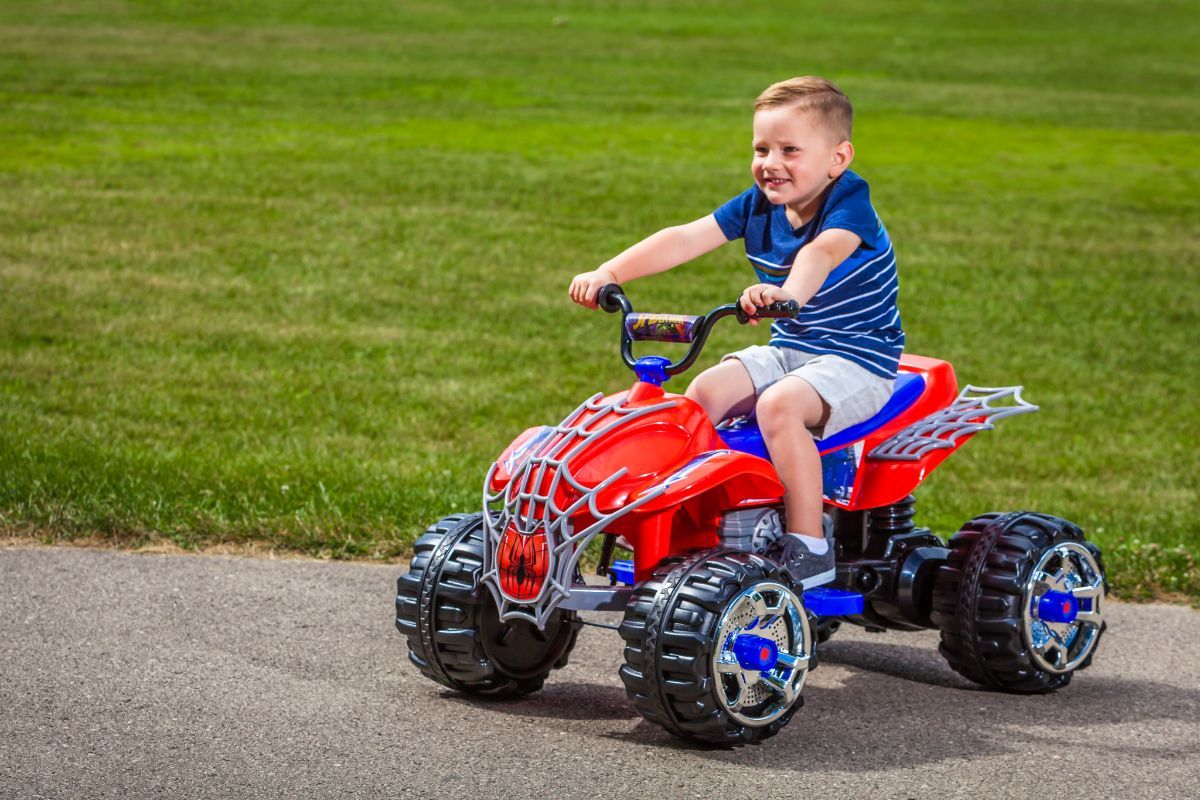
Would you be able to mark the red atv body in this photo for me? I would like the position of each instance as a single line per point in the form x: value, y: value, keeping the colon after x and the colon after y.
x: 678, y: 475
x: 493, y: 600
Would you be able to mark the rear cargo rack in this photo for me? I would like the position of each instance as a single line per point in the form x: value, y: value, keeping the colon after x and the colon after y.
x: 972, y: 411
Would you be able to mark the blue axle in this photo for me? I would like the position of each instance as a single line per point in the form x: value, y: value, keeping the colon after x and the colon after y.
x: 1056, y: 606
x: 756, y: 652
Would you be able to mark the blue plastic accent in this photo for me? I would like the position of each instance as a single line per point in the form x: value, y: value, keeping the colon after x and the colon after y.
x: 825, y: 601
x: 1056, y: 606
x: 623, y: 571
x: 756, y: 652
x: 744, y: 436
x: 908, y: 388
x: 652, y: 369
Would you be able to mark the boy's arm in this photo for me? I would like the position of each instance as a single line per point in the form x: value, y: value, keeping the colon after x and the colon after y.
x: 812, y: 266
x: 658, y: 252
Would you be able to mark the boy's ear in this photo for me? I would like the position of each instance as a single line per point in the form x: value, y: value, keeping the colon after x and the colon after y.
x: 843, y: 154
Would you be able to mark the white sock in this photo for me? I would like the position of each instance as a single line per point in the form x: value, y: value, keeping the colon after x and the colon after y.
x: 818, y: 546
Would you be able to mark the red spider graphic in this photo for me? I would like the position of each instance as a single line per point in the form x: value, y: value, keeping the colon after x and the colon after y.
x: 523, y: 561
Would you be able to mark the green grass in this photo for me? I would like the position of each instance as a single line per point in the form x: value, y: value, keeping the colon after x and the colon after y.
x: 295, y: 272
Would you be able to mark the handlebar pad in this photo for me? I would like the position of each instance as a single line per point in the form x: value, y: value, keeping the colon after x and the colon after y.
x: 662, y: 327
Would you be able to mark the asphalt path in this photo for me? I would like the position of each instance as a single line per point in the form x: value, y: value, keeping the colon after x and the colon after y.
x: 127, y: 676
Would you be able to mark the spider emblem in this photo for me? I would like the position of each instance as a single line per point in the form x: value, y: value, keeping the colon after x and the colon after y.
x: 524, y: 560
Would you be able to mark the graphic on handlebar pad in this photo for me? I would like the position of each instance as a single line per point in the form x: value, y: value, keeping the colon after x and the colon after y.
x: 661, y: 327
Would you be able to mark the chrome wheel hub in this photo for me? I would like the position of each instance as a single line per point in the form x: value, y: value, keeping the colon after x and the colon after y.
x: 764, y: 647
x: 1063, y: 607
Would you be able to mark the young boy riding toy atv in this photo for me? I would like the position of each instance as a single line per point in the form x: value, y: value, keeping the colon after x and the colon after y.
x: 812, y: 237
x: 742, y: 499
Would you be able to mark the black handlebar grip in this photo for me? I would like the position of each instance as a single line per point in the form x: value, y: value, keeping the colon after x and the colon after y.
x: 606, y: 298
x: 783, y: 308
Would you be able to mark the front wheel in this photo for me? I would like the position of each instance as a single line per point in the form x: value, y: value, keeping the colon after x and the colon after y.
x: 455, y: 635
x: 717, y: 648
x: 1020, y: 602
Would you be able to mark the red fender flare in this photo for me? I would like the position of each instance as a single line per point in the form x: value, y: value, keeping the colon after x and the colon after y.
x: 744, y: 480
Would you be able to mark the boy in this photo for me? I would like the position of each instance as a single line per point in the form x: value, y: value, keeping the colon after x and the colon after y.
x: 812, y: 236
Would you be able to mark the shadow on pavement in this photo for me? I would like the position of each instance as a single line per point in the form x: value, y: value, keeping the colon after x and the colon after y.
x: 566, y: 700
x: 906, y: 662
x: 900, y: 706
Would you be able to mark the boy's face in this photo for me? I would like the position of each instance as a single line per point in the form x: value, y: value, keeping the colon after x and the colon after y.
x: 795, y: 157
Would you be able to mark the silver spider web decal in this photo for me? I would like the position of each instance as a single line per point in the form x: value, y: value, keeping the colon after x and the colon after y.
x: 531, y: 509
x: 975, y: 409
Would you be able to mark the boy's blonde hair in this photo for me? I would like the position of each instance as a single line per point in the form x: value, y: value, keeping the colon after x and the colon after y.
x: 811, y: 93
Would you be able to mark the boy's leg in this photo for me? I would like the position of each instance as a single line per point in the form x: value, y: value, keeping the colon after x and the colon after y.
x: 785, y: 413
x: 723, y: 391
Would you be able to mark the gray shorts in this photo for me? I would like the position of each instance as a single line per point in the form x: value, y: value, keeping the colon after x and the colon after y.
x: 854, y: 394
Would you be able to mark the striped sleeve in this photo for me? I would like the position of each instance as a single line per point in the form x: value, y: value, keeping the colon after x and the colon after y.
x: 851, y: 210
x: 733, y: 216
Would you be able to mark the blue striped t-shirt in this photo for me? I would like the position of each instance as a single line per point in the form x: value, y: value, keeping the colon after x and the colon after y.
x: 854, y: 314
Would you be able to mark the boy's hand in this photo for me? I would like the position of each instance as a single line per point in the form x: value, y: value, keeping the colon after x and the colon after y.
x: 586, y: 285
x: 761, y: 294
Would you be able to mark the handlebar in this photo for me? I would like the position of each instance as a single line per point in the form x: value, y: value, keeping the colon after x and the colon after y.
x: 612, y: 299
x: 695, y: 330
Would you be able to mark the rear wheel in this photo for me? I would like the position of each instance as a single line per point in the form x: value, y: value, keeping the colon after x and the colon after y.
x: 717, y: 648
x: 1019, y: 602
x: 455, y: 635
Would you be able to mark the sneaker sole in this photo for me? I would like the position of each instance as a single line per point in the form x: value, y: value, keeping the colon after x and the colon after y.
x: 819, y: 580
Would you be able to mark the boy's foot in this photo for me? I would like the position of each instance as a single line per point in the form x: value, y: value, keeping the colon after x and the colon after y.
x: 805, y: 568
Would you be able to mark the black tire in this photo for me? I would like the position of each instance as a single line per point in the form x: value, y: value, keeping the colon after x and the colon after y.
x: 669, y: 630
x: 979, y: 597
x: 452, y: 626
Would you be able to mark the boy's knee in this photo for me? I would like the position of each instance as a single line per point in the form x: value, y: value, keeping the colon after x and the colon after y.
x: 699, y: 387
x: 788, y: 402
x: 774, y: 407
x: 723, y: 391
x: 703, y: 391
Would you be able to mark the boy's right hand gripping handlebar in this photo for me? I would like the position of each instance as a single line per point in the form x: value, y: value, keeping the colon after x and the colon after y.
x: 677, y: 327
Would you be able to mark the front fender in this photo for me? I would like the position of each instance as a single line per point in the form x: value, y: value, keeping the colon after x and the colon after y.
x: 742, y: 479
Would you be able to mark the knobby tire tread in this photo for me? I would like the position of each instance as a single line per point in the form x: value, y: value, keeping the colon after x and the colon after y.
x: 438, y: 607
x: 978, y: 595
x: 668, y: 629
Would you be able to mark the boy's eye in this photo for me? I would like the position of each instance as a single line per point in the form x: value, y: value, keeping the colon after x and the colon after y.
x: 790, y: 149
x: 762, y: 151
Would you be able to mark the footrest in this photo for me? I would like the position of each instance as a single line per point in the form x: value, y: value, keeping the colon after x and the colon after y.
x: 829, y: 601
x: 622, y: 572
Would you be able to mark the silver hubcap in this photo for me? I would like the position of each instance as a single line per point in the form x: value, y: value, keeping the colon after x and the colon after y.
x: 1062, y: 646
x: 772, y: 611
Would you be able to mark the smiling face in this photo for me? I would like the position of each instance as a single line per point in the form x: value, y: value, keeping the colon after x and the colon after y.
x: 796, y: 157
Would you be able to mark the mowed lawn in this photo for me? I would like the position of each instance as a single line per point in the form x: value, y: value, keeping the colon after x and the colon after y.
x: 294, y: 273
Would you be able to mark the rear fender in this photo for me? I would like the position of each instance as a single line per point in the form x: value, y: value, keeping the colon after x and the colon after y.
x: 879, y: 483
x: 899, y: 457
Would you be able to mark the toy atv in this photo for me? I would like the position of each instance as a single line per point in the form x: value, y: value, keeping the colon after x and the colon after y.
x: 718, y: 642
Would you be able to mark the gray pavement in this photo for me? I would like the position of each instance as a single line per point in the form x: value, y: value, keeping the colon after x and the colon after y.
x: 128, y: 676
